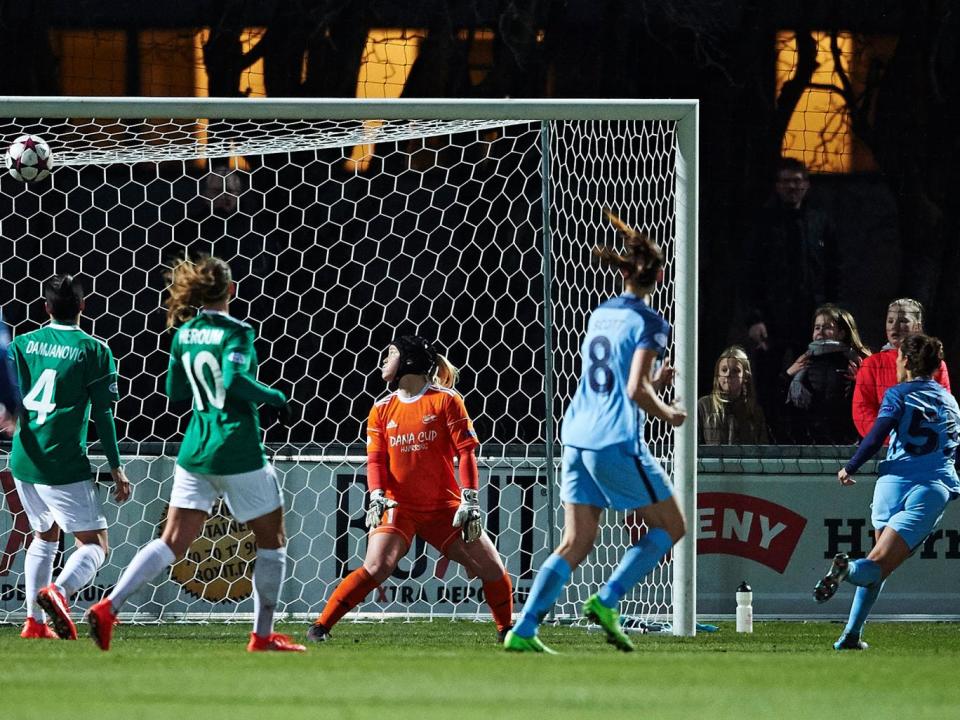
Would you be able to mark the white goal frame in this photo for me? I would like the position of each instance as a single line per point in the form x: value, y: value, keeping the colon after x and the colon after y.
x: 685, y: 113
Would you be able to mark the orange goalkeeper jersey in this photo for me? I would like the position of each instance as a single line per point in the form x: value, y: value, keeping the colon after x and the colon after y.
x: 421, y: 436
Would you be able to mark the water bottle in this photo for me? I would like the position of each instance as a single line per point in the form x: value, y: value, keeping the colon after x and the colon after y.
x: 744, y: 608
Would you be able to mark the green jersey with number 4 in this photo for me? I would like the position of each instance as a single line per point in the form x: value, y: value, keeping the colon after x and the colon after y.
x: 64, y: 374
x: 213, y: 361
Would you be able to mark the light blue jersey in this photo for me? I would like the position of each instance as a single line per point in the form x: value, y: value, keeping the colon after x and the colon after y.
x: 601, y: 413
x: 924, y: 442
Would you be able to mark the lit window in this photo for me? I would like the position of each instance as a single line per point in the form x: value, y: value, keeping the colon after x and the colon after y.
x: 92, y: 62
x: 251, y: 79
x: 819, y: 130
x: 387, y: 58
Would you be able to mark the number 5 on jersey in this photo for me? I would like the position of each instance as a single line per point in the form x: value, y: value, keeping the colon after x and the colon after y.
x: 40, y: 398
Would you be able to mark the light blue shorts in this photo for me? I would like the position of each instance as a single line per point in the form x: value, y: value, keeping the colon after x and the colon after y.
x: 910, y: 508
x: 612, y: 478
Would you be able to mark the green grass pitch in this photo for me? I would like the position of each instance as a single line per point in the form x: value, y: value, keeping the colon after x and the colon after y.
x: 455, y: 671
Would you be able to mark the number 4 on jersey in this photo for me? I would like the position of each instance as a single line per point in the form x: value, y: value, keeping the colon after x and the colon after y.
x: 40, y: 397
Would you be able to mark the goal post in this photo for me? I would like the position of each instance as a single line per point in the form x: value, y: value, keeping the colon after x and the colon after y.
x: 344, y: 220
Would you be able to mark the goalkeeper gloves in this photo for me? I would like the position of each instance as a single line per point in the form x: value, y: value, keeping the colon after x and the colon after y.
x: 376, y: 507
x: 468, y: 516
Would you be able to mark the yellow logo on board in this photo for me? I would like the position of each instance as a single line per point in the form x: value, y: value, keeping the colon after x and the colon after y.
x: 218, y: 566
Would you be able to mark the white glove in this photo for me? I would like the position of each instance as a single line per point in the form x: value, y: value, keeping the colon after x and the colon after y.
x: 377, y: 505
x: 468, y: 517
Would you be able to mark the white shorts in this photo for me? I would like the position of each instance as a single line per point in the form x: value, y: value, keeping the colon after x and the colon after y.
x: 74, y: 507
x: 249, y: 495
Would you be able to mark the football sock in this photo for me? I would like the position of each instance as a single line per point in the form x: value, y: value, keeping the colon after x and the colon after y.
x: 37, y: 571
x: 863, y: 572
x: 80, y: 569
x: 268, y: 576
x: 637, y: 561
x: 499, y: 596
x: 145, y: 566
x: 349, y: 593
x: 863, y: 601
x: 551, y: 578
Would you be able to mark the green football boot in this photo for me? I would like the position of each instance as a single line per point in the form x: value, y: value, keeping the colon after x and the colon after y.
x: 609, y: 620
x: 514, y: 643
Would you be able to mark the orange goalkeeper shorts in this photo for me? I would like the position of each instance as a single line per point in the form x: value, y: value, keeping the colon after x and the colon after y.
x: 434, y: 526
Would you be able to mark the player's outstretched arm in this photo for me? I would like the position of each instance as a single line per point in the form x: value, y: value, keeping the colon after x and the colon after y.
x: 642, y: 391
x: 237, y: 378
x: 102, y: 416
x: 868, y: 447
x: 177, y: 386
x: 103, y: 394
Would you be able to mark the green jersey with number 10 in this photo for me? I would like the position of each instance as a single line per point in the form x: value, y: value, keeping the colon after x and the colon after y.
x: 62, y: 372
x: 213, y: 361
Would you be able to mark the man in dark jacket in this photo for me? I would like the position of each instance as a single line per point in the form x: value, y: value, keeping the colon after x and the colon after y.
x: 791, y: 269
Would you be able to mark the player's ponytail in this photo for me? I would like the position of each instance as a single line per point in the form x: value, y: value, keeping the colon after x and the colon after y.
x: 194, y: 284
x: 642, y: 260
x: 64, y: 297
x: 445, y: 374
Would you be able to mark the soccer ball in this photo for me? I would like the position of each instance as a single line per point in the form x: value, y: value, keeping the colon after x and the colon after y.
x: 29, y: 159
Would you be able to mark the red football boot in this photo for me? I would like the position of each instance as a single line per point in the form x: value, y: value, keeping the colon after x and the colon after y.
x: 36, y: 630
x: 273, y: 642
x: 102, y: 618
x: 58, y: 610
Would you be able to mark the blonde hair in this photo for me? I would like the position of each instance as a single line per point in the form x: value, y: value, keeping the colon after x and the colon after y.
x: 908, y: 306
x: 445, y: 374
x: 846, y: 325
x: 194, y: 284
x: 643, y: 259
x: 718, y: 400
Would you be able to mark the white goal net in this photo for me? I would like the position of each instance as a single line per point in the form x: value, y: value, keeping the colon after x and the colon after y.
x: 346, y: 224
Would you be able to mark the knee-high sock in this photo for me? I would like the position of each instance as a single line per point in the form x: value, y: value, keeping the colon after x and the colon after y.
x: 268, y: 576
x: 637, y: 561
x: 863, y: 572
x: 80, y: 569
x: 37, y: 571
x: 349, y: 593
x: 863, y: 601
x: 551, y: 578
x: 145, y: 566
x: 499, y: 595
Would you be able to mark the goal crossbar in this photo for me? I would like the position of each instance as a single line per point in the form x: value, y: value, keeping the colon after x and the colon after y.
x: 348, y: 108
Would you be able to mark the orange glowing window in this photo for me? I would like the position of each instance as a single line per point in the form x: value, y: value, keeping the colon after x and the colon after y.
x: 387, y: 58
x: 92, y: 62
x: 819, y: 130
x: 251, y: 79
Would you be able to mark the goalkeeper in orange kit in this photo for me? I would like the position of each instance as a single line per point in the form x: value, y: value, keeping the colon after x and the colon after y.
x: 413, y: 434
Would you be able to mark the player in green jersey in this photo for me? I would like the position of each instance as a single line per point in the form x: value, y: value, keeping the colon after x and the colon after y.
x: 67, y: 378
x: 212, y: 360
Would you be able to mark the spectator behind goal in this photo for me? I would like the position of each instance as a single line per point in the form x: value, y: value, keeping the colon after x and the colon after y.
x: 730, y: 415
x: 820, y: 381
x: 790, y: 269
x: 879, y: 371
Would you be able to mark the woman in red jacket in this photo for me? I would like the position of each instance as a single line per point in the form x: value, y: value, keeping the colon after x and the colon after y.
x: 879, y: 371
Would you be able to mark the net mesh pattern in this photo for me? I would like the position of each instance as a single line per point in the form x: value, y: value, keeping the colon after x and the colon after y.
x: 440, y: 233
